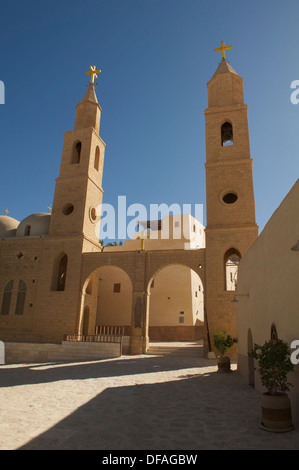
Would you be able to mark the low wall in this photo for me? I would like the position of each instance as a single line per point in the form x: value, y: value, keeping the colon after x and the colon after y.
x: 17, y: 353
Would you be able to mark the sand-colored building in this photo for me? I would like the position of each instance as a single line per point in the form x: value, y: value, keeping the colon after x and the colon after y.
x: 268, y: 294
x: 54, y: 273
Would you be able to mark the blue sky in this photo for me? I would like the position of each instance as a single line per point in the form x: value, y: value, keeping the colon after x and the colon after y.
x: 156, y: 58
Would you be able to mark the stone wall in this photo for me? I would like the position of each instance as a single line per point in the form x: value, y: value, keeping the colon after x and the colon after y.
x: 17, y: 353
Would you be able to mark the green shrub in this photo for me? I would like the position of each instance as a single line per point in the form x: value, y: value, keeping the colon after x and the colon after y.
x: 223, y: 342
x: 274, y: 364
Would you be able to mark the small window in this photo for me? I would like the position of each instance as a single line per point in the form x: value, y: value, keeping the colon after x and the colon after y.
x: 93, y: 214
x: 230, y: 198
x: 116, y: 288
x: 27, y: 230
x: 68, y: 209
x: 21, y: 298
x: 76, y: 155
x: 97, y: 159
x: 181, y: 319
x: 61, y: 278
x: 177, y: 224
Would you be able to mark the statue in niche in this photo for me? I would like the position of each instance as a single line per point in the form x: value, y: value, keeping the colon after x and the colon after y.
x: 138, y: 313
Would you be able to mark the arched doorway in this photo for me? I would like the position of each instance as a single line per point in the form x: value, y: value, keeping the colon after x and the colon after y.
x: 176, y: 305
x: 251, y: 379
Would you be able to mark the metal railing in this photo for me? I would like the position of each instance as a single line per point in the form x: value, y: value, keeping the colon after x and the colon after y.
x: 97, y: 338
x: 110, y: 330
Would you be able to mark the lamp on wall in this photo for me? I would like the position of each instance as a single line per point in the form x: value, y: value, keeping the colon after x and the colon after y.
x: 239, y: 295
x: 295, y: 247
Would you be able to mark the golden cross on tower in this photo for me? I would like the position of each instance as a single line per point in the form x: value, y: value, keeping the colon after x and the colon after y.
x: 6, y: 211
x: 93, y: 72
x: 223, y: 48
x: 49, y: 208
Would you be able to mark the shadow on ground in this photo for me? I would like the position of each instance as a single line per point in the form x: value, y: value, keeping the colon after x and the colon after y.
x: 52, y: 372
x: 200, y: 411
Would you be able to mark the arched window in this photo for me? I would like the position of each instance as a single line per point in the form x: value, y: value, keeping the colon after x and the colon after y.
x: 62, y: 273
x: 6, y: 298
x: 231, y: 261
x: 59, y: 273
x: 21, y: 298
x: 76, y: 155
x: 97, y: 159
x: 227, y: 137
x: 27, y: 230
x: 274, y: 335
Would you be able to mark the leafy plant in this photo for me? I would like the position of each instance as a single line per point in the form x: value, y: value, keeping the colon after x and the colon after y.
x: 223, y: 342
x: 274, y: 363
x: 114, y: 243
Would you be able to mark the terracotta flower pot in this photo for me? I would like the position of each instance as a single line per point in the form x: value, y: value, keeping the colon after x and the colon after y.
x: 276, y: 413
x: 223, y: 363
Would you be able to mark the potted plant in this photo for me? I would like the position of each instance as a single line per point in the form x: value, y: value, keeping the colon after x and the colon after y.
x: 223, y: 343
x: 274, y: 364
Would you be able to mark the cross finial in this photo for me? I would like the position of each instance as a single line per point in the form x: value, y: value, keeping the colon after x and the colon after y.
x: 223, y: 48
x: 93, y: 72
x: 49, y: 208
x: 6, y: 211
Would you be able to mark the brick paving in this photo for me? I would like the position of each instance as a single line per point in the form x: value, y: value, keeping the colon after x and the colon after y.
x: 150, y: 402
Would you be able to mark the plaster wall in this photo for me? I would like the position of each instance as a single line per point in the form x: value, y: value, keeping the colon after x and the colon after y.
x: 268, y: 291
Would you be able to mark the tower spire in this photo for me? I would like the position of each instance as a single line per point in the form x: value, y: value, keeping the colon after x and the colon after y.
x: 88, y: 110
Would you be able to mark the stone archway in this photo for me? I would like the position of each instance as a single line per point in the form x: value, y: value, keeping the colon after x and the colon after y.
x: 140, y: 266
x: 107, y: 296
x: 176, y: 304
x: 114, y: 298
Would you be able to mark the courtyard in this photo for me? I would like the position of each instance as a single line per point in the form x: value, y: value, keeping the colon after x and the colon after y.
x: 147, y: 402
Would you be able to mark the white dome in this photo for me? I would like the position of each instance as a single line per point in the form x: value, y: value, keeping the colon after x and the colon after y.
x: 35, y: 224
x: 8, y: 226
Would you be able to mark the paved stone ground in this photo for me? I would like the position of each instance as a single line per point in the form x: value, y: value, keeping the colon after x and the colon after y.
x: 130, y: 403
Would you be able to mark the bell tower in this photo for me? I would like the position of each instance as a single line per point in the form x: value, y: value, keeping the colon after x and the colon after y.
x: 231, y: 226
x: 78, y: 191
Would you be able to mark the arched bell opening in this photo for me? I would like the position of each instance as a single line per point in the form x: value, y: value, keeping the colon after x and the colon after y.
x: 227, y: 136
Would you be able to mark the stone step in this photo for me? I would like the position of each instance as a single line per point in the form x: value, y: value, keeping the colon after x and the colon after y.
x: 176, y: 349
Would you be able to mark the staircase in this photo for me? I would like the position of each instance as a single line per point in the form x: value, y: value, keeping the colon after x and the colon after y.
x: 186, y: 349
